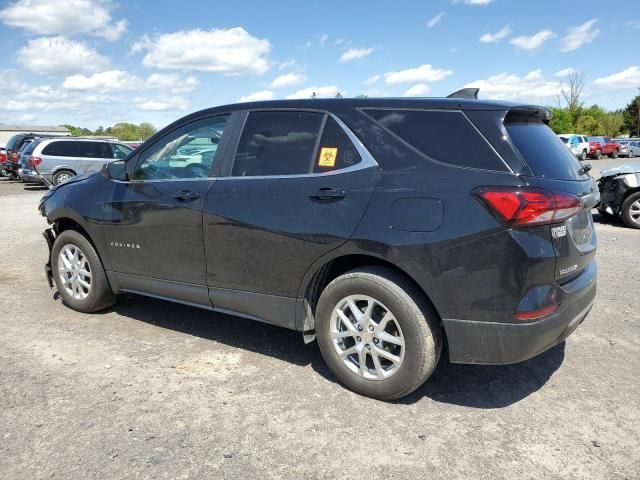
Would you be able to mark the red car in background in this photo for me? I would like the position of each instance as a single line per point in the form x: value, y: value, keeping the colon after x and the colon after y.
x: 599, y: 146
x: 3, y: 161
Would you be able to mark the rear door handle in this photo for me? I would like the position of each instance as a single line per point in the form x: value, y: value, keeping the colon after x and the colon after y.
x: 186, y: 195
x: 328, y: 195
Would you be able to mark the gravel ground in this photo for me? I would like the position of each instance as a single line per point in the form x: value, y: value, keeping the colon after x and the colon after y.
x: 149, y: 389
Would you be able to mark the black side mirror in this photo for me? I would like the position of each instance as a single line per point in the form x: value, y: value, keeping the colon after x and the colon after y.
x: 586, y: 168
x: 116, y: 170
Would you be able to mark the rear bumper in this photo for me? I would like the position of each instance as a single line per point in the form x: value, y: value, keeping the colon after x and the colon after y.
x: 496, y: 343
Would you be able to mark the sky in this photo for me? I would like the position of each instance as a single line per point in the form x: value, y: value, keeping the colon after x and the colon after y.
x: 94, y: 63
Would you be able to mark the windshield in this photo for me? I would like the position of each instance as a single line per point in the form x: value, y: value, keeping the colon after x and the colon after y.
x: 564, y: 139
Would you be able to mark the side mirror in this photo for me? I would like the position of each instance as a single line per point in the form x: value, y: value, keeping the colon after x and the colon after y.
x: 116, y: 170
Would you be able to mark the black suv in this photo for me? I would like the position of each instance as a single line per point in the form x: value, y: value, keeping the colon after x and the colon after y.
x: 376, y: 225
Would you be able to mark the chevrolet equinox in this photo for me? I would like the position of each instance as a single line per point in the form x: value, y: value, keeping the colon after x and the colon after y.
x: 382, y: 227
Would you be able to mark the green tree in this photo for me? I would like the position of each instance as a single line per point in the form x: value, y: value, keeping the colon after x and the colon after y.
x: 588, y: 125
x: 338, y: 95
x: 99, y: 131
x: 631, y: 117
x: 146, y: 130
x: 125, y: 131
x: 560, y: 120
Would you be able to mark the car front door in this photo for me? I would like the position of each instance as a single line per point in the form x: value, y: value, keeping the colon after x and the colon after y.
x: 296, y: 187
x: 153, y: 221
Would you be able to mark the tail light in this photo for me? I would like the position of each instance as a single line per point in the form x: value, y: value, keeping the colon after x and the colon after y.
x: 525, y: 206
x: 3, y: 157
x: 34, y: 162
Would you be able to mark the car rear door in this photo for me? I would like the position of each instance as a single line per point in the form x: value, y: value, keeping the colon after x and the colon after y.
x: 153, y: 222
x: 295, y: 188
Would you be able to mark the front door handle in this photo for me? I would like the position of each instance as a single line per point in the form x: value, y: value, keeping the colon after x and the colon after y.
x: 328, y: 195
x: 186, y: 195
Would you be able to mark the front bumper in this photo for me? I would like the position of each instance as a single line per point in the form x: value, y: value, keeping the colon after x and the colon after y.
x: 495, y: 343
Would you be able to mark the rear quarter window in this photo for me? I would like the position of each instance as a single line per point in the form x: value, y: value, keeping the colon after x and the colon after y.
x: 61, y: 149
x: 445, y: 136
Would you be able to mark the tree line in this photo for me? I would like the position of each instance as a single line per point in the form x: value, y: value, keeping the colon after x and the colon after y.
x: 570, y: 115
x: 121, y: 131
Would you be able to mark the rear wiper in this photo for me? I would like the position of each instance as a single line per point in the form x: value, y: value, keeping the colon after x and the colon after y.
x: 586, y: 168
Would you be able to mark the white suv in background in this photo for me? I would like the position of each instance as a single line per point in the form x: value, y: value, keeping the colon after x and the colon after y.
x: 577, y: 144
x: 59, y: 159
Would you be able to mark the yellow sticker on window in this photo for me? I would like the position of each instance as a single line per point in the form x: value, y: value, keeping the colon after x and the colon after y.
x: 327, y: 157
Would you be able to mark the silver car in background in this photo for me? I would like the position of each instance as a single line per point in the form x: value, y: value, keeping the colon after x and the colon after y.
x: 59, y: 159
x: 629, y: 147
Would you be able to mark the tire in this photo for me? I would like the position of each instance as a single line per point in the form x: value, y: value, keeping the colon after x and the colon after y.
x: 99, y: 295
x: 630, y: 154
x: 583, y: 155
x: 598, y: 154
x: 411, y: 318
x: 62, y: 176
x: 604, y: 214
x: 631, y: 210
x: 614, y: 154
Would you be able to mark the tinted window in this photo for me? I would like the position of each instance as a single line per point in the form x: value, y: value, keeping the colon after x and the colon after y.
x: 28, y: 150
x: 12, y: 141
x: 564, y: 139
x: 120, y: 151
x: 94, y: 150
x: 335, y: 149
x: 188, y: 152
x: 61, y: 149
x: 545, y: 154
x: 277, y: 143
x: 447, y: 137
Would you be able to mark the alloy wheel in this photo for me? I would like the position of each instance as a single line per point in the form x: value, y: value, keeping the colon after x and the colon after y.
x: 634, y: 211
x: 367, y: 337
x: 74, y: 271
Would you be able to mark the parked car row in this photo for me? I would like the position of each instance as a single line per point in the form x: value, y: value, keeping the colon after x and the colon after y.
x: 583, y: 146
x: 46, y: 159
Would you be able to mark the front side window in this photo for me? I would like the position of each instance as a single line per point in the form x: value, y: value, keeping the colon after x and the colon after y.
x: 94, y: 150
x: 61, y: 148
x: 188, y: 152
x: 121, y: 151
x: 277, y: 143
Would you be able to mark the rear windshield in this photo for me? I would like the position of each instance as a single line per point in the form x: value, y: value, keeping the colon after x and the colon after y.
x: 12, y: 142
x: 543, y: 151
x: 448, y: 137
x: 30, y: 147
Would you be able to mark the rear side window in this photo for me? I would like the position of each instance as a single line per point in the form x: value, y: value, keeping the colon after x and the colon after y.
x: 277, y: 143
x: 94, y: 150
x: 447, y: 137
x: 335, y: 150
x: 61, y: 149
x: 541, y: 149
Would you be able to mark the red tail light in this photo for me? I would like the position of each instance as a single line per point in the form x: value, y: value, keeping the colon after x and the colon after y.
x: 534, y: 314
x: 34, y: 161
x: 3, y: 157
x: 525, y: 206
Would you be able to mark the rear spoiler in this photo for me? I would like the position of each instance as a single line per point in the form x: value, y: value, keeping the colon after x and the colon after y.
x: 524, y: 112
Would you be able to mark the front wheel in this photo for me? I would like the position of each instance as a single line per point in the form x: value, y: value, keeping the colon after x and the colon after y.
x: 598, y: 154
x: 631, y: 210
x: 377, y: 332
x: 78, y: 273
x: 614, y: 154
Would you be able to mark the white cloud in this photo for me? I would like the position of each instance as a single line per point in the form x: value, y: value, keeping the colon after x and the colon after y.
x: 232, y: 52
x: 373, y: 79
x: 288, y: 80
x: 59, y: 55
x: 26, y: 117
x: 64, y: 17
x: 496, y: 37
x: 433, y: 21
x: 287, y: 64
x: 580, y: 35
x: 565, y: 72
x: 323, y: 39
x: 421, y: 74
x: 355, y: 54
x: 118, y: 80
x: 328, y: 91
x: 509, y: 86
x: 162, y: 104
x: 417, y: 90
x: 627, y: 78
x: 478, y: 2
x: 532, y: 42
x: 257, y: 96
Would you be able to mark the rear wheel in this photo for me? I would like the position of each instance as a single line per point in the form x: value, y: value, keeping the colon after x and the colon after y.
x: 631, y: 210
x: 62, y: 176
x: 614, y: 154
x: 598, y: 154
x: 78, y: 274
x: 630, y: 153
x: 377, y: 332
x: 583, y: 155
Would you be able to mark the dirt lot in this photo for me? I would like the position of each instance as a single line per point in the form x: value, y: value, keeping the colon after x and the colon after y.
x: 154, y: 390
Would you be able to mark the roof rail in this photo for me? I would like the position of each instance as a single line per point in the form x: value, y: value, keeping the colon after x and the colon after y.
x: 465, y: 93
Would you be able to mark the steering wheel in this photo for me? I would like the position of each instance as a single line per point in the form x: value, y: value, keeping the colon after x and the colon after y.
x: 197, y: 170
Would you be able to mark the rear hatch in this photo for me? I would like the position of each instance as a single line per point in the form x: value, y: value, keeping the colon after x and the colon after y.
x: 551, y: 166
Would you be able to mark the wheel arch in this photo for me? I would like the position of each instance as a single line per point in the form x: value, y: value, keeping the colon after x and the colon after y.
x: 67, y: 222
x: 319, y: 276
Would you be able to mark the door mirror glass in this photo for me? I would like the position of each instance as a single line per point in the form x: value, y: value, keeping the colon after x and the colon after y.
x: 116, y: 170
